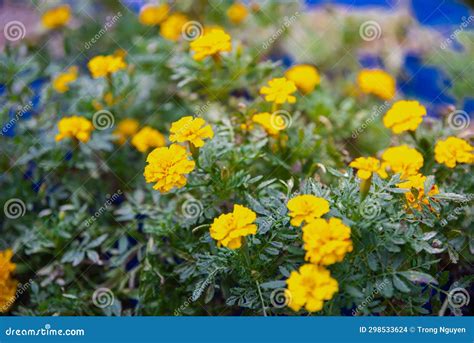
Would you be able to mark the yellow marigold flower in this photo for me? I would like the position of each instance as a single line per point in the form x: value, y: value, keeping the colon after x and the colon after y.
x: 417, y: 182
x: 403, y: 160
x: 148, y: 138
x: 210, y: 44
x: 228, y: 229
x: 62, y: 81
x: 454, y: 150
x: 189, y: 129
x: 279, y: 91
x: 404, y: 115
x: 168, y: 167
x: 366, y: 166
x: 56, y: 17
x: 237, y: 13
x: 305, y: 77
x: 309, y: 287
x: 75, y: 127
x: 126, y: 129
x: 377, y: 82
x: 271, y: 123
x: 153, y: 14
x: 326, y: 242
x: 306, y: 208
x: 101, y: 66
x: 172, y: 27
x: 7, y: 284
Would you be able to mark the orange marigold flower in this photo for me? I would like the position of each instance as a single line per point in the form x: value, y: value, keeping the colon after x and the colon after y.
x: 237, y: 12
x: 101, y: 66
x: 152, y: 15
x: 309, y: 287
x: 366, y: 166
x: 305, y: 77
x: 148, y: 138
x: 8, y: 285
x: 168, y: 167
x: 417, y: 183
x: 404, y: 116
x: 377, y: 82
x: 229, y: 229
x: 171, y: 29
x: 306, y: 208
x: 56, y: 17
x: 403, y: 160
x: 326, y: 242
x: 454, y: 150
x: 210, y: 44
x: 189, y: 129
x: 76, y: 127
x: 279, y: 91
x: 126, y: 129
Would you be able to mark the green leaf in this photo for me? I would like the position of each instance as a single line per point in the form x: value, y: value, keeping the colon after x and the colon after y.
x: 273, y: 284
x: 354, y: 292
x: 386, y: 288
x: 400, y: 285
x: 418, y: 277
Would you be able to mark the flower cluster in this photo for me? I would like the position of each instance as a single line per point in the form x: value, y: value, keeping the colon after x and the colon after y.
x: 416, y: 195
x: 325, y: 242
x: 7, y: 284
x: 168, y: 166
